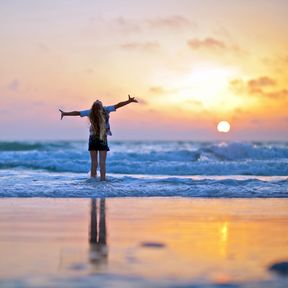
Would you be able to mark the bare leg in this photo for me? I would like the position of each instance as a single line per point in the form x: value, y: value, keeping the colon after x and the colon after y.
x: 94, y: 163
x: 103, y: 155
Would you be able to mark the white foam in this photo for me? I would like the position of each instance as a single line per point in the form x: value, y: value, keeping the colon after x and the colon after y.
x: 53, y: 184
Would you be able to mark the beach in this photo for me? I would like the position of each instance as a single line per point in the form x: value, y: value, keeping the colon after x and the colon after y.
x: 171, y: 214
x: 141, y: 242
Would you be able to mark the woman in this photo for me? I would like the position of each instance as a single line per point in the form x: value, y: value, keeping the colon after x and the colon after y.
x: 99, y: 129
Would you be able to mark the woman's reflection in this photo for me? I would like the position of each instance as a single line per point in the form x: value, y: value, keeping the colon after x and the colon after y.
x: 98, y: 237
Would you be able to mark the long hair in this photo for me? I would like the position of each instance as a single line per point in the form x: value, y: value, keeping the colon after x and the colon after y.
x: 97, y: 119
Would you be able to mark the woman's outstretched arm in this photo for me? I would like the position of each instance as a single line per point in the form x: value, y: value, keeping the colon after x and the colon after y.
x: 130, y: 100
x: 72, y: 113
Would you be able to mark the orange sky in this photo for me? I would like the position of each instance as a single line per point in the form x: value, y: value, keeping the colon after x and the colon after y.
x: 191, y: 64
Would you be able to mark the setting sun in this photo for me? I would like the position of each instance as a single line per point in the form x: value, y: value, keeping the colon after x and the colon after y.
x: 223, y: 126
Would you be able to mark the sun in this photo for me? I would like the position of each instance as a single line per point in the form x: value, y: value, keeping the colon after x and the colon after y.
x: 223, y: 127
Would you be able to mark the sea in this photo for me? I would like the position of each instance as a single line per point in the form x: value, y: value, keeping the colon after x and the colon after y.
x: 60, y: 169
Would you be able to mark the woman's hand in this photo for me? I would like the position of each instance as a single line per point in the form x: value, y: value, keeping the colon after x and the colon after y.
x: 124, y: 103
x: 72, y: 113
x: 132, y: 99
x: 62, y: 113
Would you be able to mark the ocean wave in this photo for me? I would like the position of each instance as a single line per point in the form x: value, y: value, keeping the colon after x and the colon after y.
x: 19, y: 146
x: 168, y: 151
x: 193, y: 151
x: 80, y: 165
x: 244, y: 150
x: 155, y: 158
x: 39, y: 146
x: 55, y: 185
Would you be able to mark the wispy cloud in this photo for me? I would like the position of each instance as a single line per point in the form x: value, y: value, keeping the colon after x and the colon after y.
x: 14, y: 85
x: 212, y: 44
x: 148, y: 46
x: 263, y: 86
x: 157, y: 90
x: 128, y: 25
x: 278, y: 63
x: 43, y: 47
x: 207, y: 43
x: 193, y: 102
x: 237, y: 86
x: 171, y: 22
x: 257, y: 85
x: 160, y: 90
x: 280, y: 94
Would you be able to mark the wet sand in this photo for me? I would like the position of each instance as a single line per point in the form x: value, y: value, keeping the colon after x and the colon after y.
x: 137, y: 242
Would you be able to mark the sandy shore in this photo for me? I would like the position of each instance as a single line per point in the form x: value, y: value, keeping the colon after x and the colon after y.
x: 135, y: 242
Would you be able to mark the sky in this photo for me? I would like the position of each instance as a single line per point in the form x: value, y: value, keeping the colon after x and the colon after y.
x: 189, y: 63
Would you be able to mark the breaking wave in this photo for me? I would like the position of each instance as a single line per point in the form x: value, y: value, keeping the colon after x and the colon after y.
x: 152, y: 158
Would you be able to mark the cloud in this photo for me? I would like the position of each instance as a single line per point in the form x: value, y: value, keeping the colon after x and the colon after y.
x: 89, y: 71
x: 157, y: 90
x: 207, y: 43
x: 38, y: 103
x: 283, y: 94
x: 194, y: 102
x: 174, y: 21
x: 257, y: 85
x: 14, y: 85
x: 277, y: 63
x: 128, y: 25
x: 43, y: 47
x: 148, y: 46
x: 237, y: 86
x: 263, y: 86
x: 215, y: 45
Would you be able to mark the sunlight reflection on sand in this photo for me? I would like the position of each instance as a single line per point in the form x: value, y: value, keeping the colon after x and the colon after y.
x: 156, y: 239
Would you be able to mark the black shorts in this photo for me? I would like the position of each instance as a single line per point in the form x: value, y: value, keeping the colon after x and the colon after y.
x: 95, y: 144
